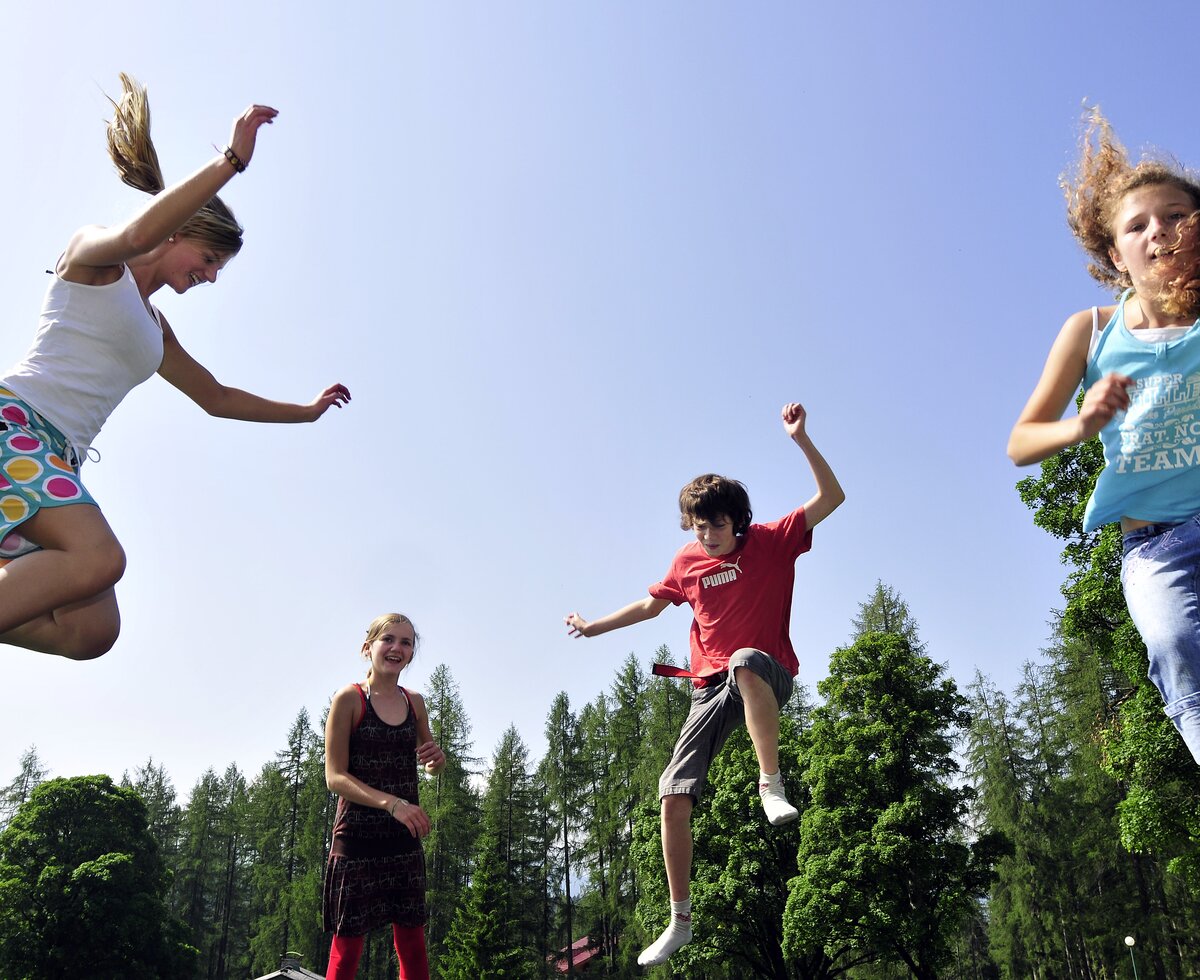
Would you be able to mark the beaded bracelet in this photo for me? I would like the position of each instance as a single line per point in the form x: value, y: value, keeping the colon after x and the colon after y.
x: 234, y: 160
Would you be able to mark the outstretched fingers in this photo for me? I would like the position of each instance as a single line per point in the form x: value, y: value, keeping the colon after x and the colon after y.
x: 333, y: 396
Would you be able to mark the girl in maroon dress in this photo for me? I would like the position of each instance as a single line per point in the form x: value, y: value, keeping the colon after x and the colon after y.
x: 376, y: 735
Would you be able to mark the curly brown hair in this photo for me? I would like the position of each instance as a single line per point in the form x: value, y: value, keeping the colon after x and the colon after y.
x: 1097, y: 187
x: 133, y: 154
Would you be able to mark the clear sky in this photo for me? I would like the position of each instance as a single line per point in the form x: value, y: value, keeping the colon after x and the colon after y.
x: 566, y: 256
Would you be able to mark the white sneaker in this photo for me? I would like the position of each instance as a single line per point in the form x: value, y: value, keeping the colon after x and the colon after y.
x: 779, y: 811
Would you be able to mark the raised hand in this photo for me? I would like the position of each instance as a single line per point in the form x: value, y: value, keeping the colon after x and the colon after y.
x: 794, y: 417
x: 245, y: 130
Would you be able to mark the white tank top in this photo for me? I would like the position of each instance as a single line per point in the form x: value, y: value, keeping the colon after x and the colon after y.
x: 94, y: 345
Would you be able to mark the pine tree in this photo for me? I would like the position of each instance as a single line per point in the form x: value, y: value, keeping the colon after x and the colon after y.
x: 152, y: 783
x: 287, y: 805
x: 495, y: 933
x: 563, y: 775
x: 14, y: 795
x: 452, y: 805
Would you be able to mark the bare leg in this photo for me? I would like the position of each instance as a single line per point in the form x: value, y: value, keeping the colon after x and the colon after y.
x: 762, y: 721
x: 60, y: 599
x: 762, y: 717
x: 82, y: 631
x: 677, y: 844
x: 677, y: 856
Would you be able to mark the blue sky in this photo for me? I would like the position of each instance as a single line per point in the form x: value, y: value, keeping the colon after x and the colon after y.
x: 566, y: 256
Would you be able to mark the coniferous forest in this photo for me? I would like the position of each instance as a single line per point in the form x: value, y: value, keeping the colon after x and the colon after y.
x: 944, y: 832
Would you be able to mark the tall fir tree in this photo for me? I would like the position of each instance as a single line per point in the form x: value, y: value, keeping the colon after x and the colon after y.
x: 452, y: 805
x: 562, y: 772
x: 495, y: 931
x: 32, y: 775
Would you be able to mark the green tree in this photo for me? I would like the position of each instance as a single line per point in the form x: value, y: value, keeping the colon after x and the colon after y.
x: 14, y: 795
x: 1160, y: 811
x: 496, y: 930
x: 163, y: 813
x: 288, y: 806
x: 1068, y: 886
x: 563, y: 774
x: 885, y: 864
x: 82, y: 888
x: 452, y: 805
x: 885, y: 611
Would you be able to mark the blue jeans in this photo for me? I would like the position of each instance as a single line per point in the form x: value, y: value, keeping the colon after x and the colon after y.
x: 1161, y: 576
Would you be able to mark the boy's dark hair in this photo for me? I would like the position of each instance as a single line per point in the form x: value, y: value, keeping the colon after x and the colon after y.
x: 711, y: 497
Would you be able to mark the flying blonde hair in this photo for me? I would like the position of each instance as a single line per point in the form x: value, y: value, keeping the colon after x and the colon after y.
x: 132, y: 152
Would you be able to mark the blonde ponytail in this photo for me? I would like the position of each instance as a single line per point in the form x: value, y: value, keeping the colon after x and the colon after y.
x: 132, y: 152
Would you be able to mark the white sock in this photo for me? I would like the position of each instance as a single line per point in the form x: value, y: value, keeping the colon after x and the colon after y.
x: 674, y: 936
x: 774, y: 800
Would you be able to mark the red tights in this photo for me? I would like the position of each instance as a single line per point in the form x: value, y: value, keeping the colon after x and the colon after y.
x: 410, y: 950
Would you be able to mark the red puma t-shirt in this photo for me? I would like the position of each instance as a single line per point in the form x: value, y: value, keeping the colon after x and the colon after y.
x: 742, y: 599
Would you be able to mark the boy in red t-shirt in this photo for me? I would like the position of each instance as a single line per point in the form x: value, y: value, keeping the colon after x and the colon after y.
x: 738, y: 579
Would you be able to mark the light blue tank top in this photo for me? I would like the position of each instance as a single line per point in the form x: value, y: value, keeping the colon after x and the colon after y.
x: 1152, y: 451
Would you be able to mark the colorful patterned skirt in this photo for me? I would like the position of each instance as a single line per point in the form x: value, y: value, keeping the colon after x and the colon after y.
x: 38, y: 468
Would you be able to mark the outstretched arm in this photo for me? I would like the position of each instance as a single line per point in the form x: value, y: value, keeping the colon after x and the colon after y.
x: 166, y: 211
x: 1041, y: 431
x: 635, y: 612
x: 829, y: 495
x: 338, y: 726
x: 197, y: 382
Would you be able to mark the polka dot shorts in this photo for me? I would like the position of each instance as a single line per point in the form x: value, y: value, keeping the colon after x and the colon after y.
x: 38, y: 468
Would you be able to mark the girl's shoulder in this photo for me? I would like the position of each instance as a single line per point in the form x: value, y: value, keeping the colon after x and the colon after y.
x: 415, y: 699
x: 350, y: 695
x: 1079, y: 331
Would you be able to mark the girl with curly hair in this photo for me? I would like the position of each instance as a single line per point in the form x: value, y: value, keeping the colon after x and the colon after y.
x: 1139, y: 363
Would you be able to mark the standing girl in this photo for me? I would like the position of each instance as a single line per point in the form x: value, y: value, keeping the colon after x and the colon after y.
x: 375, y: 735
x: 1139, y: 361
x: 98, y: 338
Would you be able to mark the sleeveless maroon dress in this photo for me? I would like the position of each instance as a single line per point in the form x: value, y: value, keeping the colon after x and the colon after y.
x: 376, y: 870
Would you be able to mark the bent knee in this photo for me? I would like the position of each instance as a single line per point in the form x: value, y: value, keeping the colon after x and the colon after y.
x: 104, y: 566
x: 91, y: 636
x: 91, y: 643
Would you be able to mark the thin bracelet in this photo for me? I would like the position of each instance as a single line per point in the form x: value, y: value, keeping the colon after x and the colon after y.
x: 396, y: 803
x: 235, y: 161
